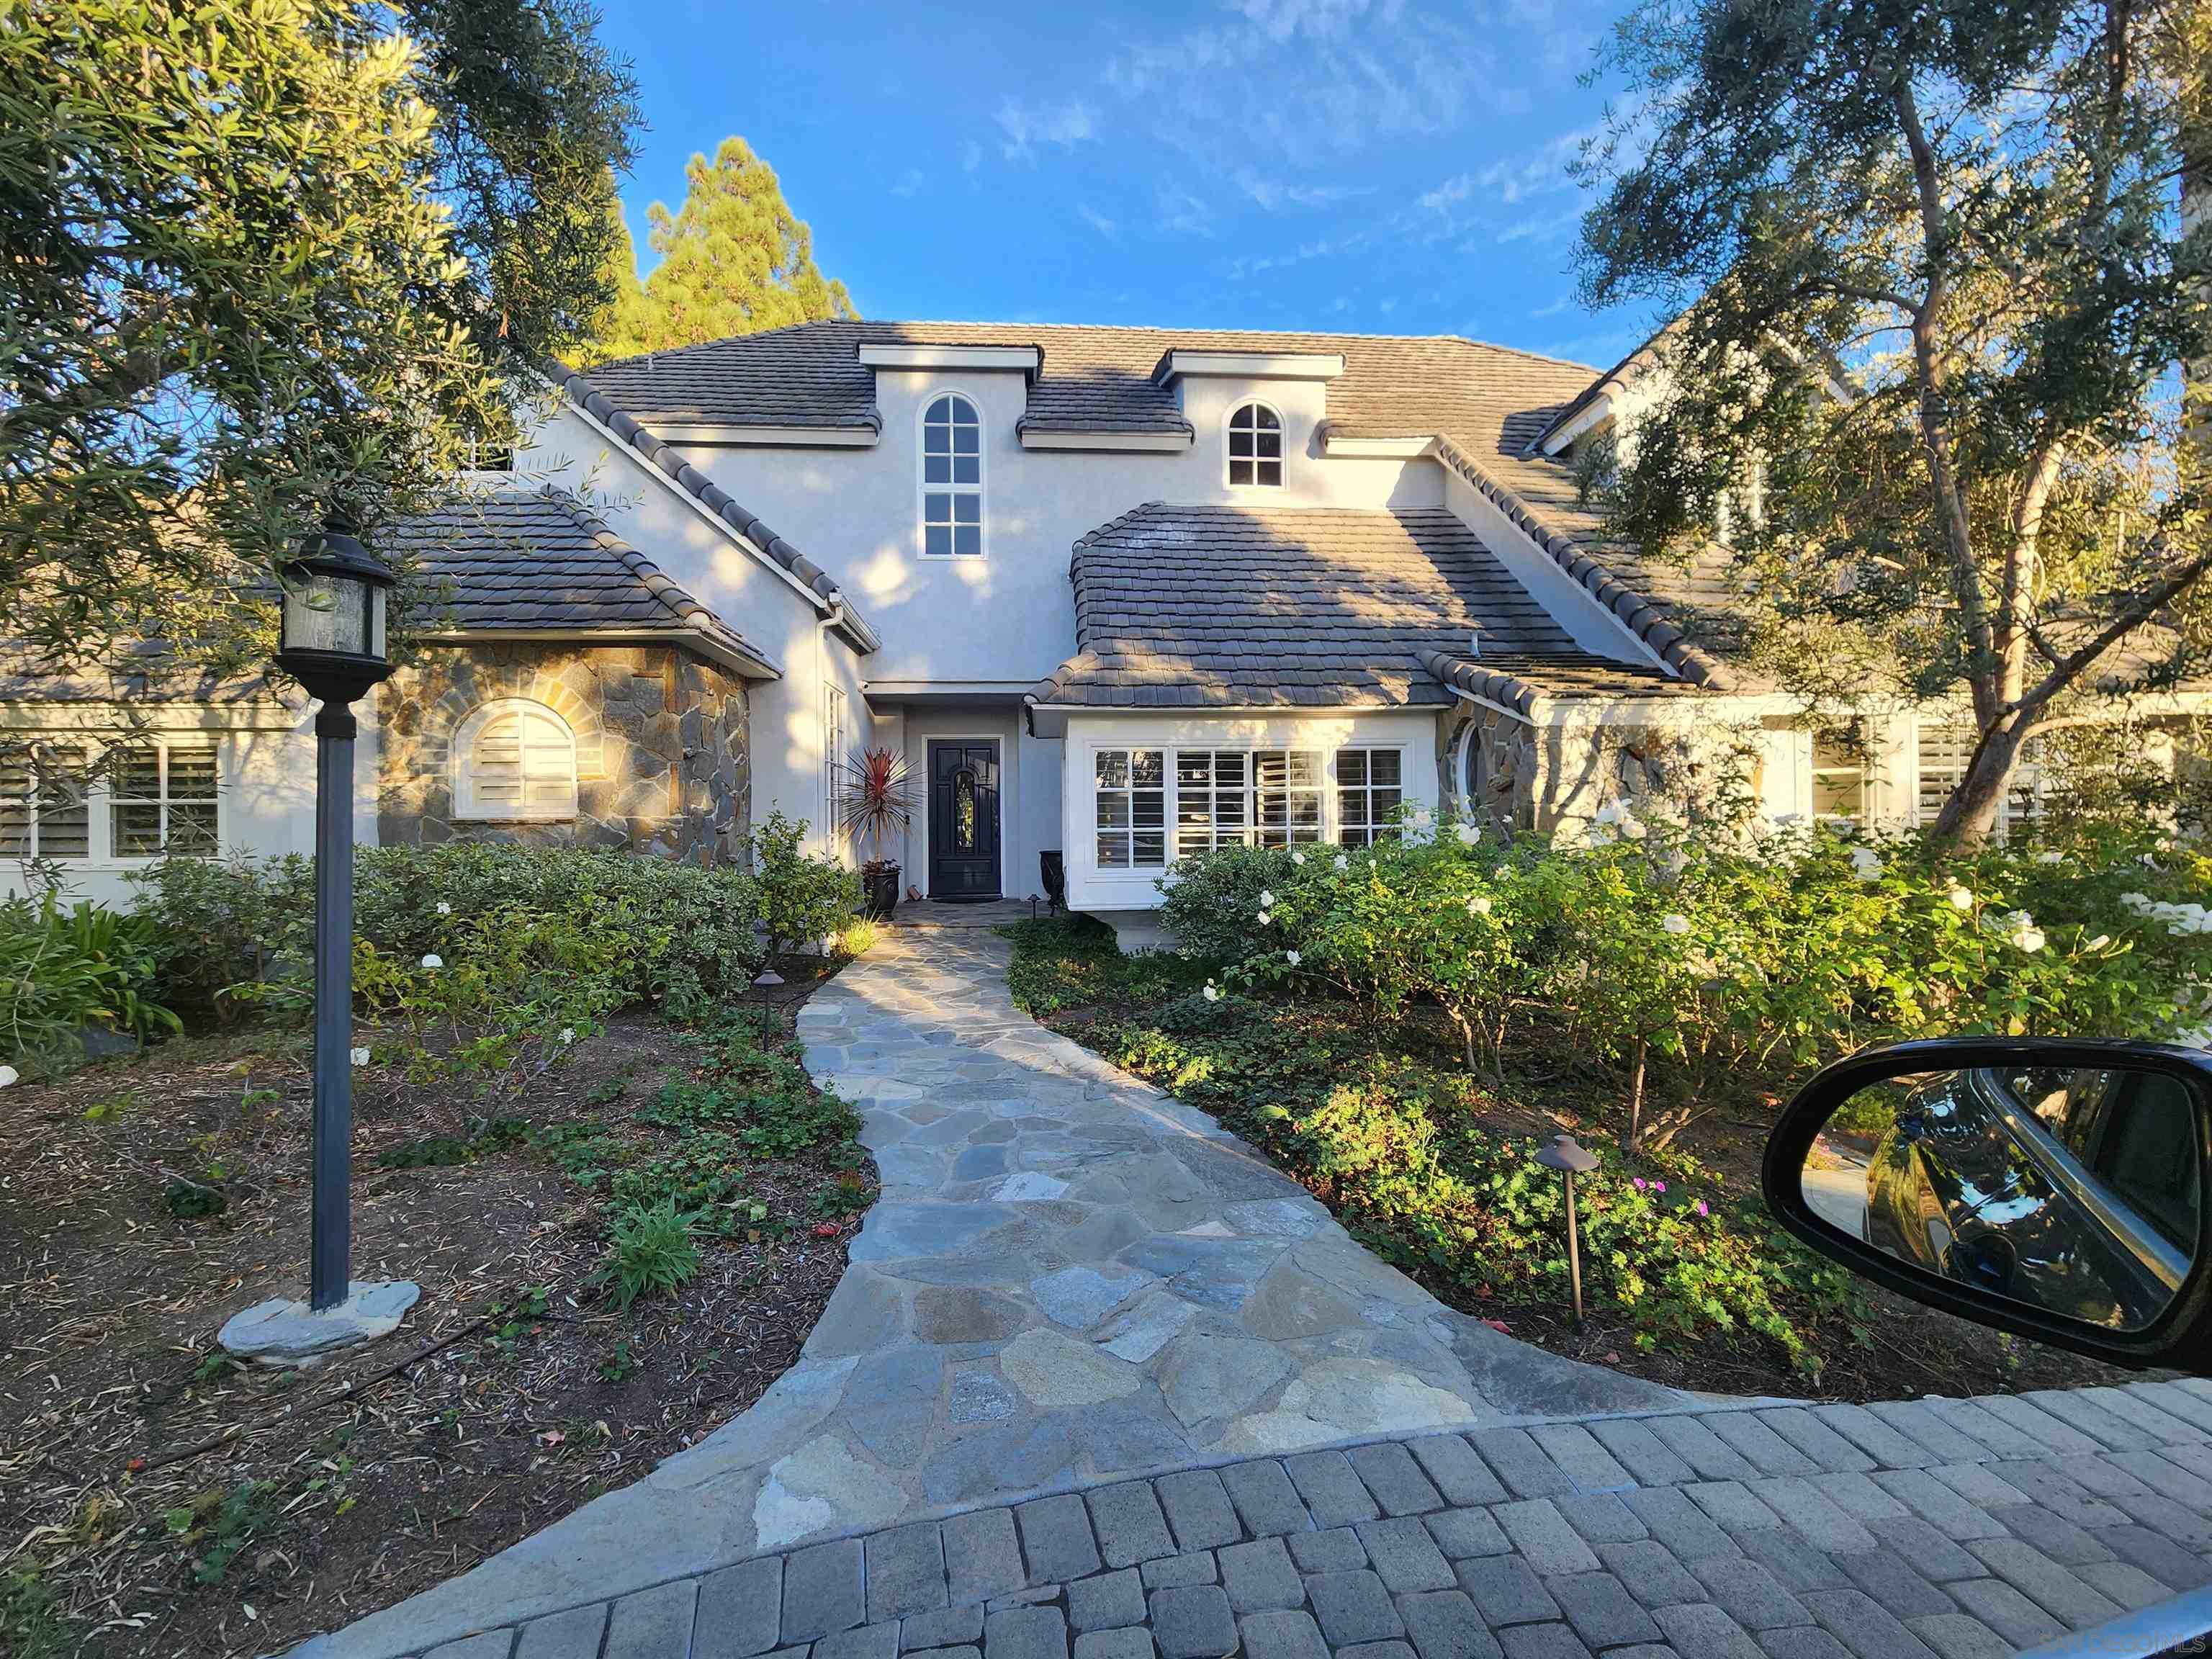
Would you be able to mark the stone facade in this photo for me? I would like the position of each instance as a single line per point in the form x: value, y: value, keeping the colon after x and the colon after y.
x: 663, y: 763
x: 1499, y: 789
x: 1558, y: 775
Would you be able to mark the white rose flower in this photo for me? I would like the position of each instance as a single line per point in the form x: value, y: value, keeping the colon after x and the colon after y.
x: 567, y: 1034
x: 360, y: 1056
x: 434, y: 960
x: 1341, y: 862
x: 444, y: 909
x: 1961, y: 898
x: 1264, y: 918
x: 2050, y: 855
x: 1677, y: 926
x: 1298, y: 858
x: 1866, y: 864
x: 1479, y: 905
x: 1209, y: 993
x: 1421, y: 817
x: 2029, y: 939
x: 1291, y: 957
x: 9, y: 1077
x: 1468, y: 833
x: 1267, y: 899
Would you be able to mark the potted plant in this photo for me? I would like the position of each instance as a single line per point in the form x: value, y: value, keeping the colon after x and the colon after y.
x: 877, y: 799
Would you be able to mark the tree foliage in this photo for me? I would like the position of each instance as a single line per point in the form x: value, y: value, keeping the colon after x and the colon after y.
x: 259, y: 260
x: 733, y: 260
x: 1937, y: 284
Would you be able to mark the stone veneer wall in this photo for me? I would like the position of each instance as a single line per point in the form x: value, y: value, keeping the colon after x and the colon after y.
x: 1557, y: 775
x: 663, y: 764
x: 1507, y: 776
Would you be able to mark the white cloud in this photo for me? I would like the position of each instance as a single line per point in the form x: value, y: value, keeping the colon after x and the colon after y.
x: 1097, y: 221
x: 1564, y: 302
x: 1272, y: 192
x: 910, y: 182
x: 1025, y: 125
x: 1183, y: 213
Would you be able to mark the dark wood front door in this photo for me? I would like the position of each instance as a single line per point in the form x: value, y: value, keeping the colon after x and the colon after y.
x: 963, y: 818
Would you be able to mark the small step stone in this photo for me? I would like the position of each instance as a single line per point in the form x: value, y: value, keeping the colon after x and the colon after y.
x: 1259, y: 1577
x: 1463, y: 1533
x: 1268, y: 1502
x: 822, y: 1590
x: 1193, y: 1621
x: 1519, y: 1463
x: 1462, y: 1477
x: 1653, y: 1576
x: 906, y: 1571
x: 1443, y: 1625
x: 1404, y: 1556
x: 1025, y: 1633
x: 982, y: 1557
x: 1352, y: 1607
x: 947, y: 1627
x: 1504, y: 1591
x: 1332, y: 1490
x: 868, y: 1642
x: 1133, y: 1643
x: 1601, y: 1609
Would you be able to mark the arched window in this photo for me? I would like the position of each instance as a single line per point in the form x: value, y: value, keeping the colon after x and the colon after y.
x: 514, y: 760
x: 952, y: 479
x: 1256, y: 446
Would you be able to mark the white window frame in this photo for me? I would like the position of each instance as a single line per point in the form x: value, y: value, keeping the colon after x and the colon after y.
x: 1229, y: 443
x: 923, y: 489
x: 1328, y: 830
x: 1372, y: 827
x: 467, y: 809
x: 1841, y: 765
x: 1290, y: 832
x: 2026, y: 779
x: 94, y: 820
x: 1128, y: 791
x: 113, y: 800
x: 833, y: 766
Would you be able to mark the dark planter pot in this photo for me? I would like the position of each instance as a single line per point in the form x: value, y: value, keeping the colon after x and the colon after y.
x: 882, y: 881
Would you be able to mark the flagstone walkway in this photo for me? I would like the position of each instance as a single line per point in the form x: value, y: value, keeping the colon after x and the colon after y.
x: 1069, y: 1278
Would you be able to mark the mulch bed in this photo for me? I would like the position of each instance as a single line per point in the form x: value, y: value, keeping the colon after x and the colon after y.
x: 155, y: 1500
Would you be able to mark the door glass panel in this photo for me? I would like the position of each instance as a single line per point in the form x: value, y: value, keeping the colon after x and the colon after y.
x: 963, y: 808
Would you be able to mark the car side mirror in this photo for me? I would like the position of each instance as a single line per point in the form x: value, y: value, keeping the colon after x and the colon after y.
x: 2061, y: 1189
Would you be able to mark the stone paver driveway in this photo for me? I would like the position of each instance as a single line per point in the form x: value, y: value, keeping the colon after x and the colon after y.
x: 1069, y: 1276
x: 1955, y: 1529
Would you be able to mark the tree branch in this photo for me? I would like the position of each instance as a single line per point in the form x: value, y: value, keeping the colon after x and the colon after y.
x: 2144, y: 606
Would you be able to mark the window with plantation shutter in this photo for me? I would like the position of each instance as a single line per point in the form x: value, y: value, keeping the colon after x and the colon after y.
x: 1945, y: 751
x: 518, y: 760
x: 42, y: 814
x: 162, y: 799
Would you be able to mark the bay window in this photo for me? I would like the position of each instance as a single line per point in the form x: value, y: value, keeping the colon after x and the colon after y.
x: 1131, y: 808
x: 1217, y: 797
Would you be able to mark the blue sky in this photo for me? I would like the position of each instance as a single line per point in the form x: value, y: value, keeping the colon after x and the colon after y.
x: 1372, y: 166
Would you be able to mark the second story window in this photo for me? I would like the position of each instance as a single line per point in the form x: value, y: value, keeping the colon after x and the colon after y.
x: 952, y: 479
x: 1256, y: 446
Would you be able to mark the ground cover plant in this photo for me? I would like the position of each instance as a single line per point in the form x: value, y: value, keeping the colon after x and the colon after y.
x: 579, y: 1127
x: 1400, y: 1028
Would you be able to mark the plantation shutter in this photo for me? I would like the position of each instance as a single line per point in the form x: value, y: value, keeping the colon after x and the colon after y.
x: 523, y: 766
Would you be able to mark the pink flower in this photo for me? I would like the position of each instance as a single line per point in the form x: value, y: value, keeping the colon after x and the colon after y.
x: 1638, y: 1182
x: 1658, y: 1186
x: 1702, y: 1210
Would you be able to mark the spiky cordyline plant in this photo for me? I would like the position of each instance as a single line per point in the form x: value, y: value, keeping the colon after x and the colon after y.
x: 876, y: 797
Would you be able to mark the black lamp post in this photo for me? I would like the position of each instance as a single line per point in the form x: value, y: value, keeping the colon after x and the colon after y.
x: 1564, y: 1153
x: 333, y: 643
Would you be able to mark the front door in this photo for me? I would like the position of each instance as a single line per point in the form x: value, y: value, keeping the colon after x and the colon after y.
x: 963, y: 818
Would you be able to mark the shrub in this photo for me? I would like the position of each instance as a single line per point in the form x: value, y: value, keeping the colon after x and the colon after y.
x: 222, y: 929
x: 650, y: 1251
x: 64, y: 972
x: 804, y: 899
x: 1211, y: 900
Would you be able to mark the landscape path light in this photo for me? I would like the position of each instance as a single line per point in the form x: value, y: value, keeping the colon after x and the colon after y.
x: 332, y: 640
x: 1564, y: 1153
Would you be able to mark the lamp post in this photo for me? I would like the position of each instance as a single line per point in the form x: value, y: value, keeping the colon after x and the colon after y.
x: 332, y: 643
x: 1561, y: 1152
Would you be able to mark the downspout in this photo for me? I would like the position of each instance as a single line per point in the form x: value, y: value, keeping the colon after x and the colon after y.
x: 834, y: 617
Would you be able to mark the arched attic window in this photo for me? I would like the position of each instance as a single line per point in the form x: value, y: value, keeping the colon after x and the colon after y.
x: 1256, y: 446
x: 951, y: 478
x: 514, y: 759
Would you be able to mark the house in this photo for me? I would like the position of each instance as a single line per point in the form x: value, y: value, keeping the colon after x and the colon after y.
x: 1115, y: 593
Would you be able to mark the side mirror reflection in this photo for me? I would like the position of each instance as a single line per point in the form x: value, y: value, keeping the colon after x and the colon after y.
x: 2075, y: 1189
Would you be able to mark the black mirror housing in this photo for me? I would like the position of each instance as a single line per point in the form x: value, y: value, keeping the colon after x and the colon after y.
x: 2176, y: 1332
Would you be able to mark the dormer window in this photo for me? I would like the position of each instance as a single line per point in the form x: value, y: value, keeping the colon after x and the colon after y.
x: 1256, y: 446
x: 952, y: 479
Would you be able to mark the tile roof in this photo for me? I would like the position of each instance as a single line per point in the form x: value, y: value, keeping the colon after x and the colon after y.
x: 669, y: 462
x: 540, y: 560
x: 1484, y: 402
x: 1318, y: 607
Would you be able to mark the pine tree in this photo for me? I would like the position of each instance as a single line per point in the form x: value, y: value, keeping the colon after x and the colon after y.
x: 734, y: 260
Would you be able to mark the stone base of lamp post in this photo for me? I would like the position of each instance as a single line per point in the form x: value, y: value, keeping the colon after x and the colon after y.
x: 284, y: 1332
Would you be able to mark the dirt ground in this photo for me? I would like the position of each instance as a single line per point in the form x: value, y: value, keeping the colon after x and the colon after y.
x: 155, y: 1500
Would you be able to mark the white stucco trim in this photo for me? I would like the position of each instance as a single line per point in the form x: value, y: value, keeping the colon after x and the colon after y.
x: 691, y: 502
x: 126, y: 717
x: 1159, y: 443
x: 714, y: 436
x: 1597, y: 411
x: 1050, y: 720
x: 930, y: 398
x: 744, y: 665
x: 1251, y: 365
x: 1026, y: 360
x: 925, y: 690
x: 1379, y: 449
